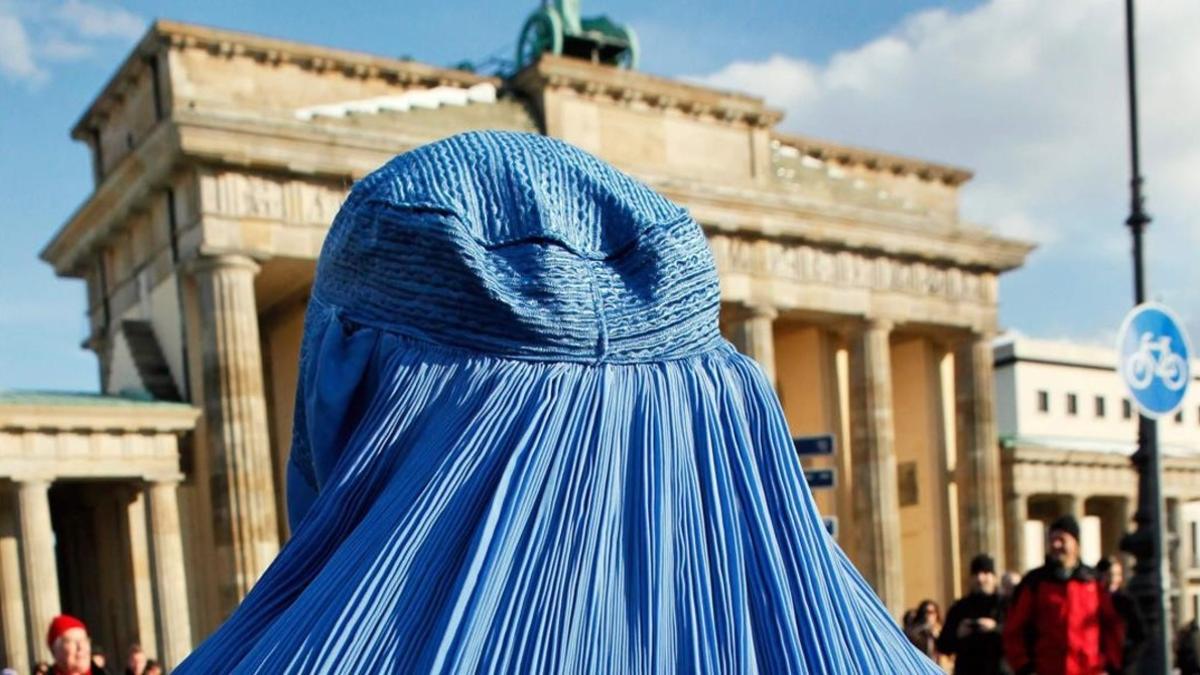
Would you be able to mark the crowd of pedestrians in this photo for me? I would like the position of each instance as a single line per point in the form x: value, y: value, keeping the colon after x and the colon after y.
x: 75, y: 654
x: 1063, y: 618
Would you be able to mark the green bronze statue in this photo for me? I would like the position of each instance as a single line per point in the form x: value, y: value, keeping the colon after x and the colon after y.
x: 558, y: 28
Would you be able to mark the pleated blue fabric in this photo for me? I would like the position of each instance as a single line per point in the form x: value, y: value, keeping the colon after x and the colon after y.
x: 522, y: 446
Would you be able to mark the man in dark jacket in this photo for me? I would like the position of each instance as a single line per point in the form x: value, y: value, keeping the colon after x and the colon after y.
x: 972, y: 628
x: 1062, y: 621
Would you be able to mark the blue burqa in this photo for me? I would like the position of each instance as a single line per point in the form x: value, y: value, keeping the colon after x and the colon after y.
x: 521, y: 445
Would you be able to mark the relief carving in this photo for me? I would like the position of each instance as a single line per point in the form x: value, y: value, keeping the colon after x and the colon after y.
x: 288, y: 201
x: 258, y: 197
x: 313, y: 204
x: 810, y: 264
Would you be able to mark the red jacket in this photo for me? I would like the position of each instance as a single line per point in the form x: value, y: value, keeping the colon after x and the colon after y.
x: 1063, y: 625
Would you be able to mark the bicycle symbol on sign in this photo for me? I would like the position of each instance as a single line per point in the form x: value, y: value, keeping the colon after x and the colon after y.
x: 1154, y: 358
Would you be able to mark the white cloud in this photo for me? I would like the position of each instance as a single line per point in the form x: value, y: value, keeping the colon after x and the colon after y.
x: 32, y: 33
x: 790, y: 81
x: 1031, y: 96
x: 57, y: 48
x: 16, y: 57
x: 95, y: 21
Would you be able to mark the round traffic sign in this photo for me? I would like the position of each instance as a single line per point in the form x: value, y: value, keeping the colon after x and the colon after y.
x: 1154, y: 359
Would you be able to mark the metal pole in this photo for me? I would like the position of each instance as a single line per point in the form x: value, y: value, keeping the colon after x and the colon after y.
x: 1150, y: 584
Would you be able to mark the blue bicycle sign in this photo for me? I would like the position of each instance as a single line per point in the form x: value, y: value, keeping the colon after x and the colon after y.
x: 1154, y: 359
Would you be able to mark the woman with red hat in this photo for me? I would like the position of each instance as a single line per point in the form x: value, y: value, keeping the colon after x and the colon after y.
x: 69, y: 642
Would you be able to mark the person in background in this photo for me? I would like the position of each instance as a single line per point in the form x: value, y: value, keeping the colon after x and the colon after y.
x: 72, y: 648
x: 153, y: 668
x: 1187, y: 649
x: 972, y: 631
x: 135, y: 661
x: 1008, y: 585
x: 99, y: 660
x: 1062, y: 620
x: 923, y: 628
x: 1112, y: 575
x: 41, y: 668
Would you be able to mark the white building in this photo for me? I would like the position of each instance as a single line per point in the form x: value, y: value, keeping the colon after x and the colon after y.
x: 1067, y: 428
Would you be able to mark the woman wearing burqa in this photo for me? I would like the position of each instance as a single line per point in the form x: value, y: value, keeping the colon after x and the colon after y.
x: 521, y: 445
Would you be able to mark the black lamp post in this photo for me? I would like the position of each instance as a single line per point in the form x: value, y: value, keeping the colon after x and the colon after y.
x: 1149, y: 584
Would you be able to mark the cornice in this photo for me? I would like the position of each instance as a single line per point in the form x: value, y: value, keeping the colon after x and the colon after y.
x: 166, y: 35
x: 848, y: 155
x: 630, y: 88
x: 773, y: 214
x: 98, y: 418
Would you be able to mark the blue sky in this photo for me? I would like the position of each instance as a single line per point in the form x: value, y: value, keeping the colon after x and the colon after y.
x: 1028, y: 94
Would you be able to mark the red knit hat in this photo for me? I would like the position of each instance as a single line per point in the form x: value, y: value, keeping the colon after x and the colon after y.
x: 61, y: 624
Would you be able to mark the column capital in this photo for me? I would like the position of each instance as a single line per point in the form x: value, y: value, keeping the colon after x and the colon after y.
x: 877, y: 323
x: 973, y: 337
x: 1016, y: 494
x: 747, y: 311
x: 168, y: 480
x: 752, y: 333
x: 221, y: 261
x: 31, y: 482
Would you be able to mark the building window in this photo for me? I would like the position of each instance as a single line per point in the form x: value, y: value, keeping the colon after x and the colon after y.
x: 1126, y: 408
x: 1179, y: 417
x: 1043, y: 401
x: 1072, y: 404
x: 1099, y: 406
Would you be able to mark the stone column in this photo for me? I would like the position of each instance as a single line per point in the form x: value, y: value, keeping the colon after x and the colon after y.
x: 39, y: 569
x: 752, y: 332
x: 981, y: 519
x: 1175, y: 559
x: 170, y: 577
x: 1016, y: 512
x: 879, y: 554
x: 12, y: 602
x: 245, y: 527
x: 139, y: 563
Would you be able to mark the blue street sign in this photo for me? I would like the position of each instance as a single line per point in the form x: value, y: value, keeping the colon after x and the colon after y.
x: 821, y: 444
x: 1154, y: 359
x: 831, y: 525
x: 820, y: 479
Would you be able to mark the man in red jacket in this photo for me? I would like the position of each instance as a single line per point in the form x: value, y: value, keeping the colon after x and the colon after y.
x: 1062, y: 621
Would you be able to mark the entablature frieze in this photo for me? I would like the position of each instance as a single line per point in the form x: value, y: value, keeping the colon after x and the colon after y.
x: 81, y: 454
x: 1038, y: 470
x: 270, y: 197
x: 801, y: 262
x: 797, y: 276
